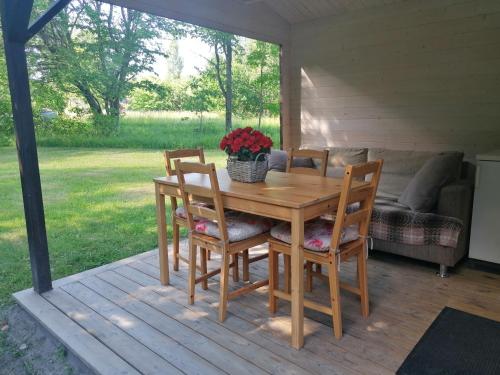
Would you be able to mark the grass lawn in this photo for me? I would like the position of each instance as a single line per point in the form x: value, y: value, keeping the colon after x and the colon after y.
x: 160, y: 130
x: 99, y: 207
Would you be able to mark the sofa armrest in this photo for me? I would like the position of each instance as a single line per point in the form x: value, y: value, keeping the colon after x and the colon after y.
x: 455, y: 200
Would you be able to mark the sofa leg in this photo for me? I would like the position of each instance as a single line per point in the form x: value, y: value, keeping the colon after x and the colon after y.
x: 443, y: 271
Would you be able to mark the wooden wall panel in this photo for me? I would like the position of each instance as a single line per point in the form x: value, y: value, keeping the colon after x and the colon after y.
x: 412, y: 75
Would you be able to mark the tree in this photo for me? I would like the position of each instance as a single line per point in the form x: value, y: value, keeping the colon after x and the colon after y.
x: 97, y: 50
x: 224, y: 45
x: 174, y: 61
x: 202, y: 96
x: 153, y: 95
x: 264, y: 57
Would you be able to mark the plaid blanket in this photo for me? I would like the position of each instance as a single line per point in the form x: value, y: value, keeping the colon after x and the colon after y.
x: 395, y: 223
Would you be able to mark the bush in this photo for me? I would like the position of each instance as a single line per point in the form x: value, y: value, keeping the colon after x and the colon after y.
x: 105, y: 124
x: 6, y: 129
x: 63, y: 126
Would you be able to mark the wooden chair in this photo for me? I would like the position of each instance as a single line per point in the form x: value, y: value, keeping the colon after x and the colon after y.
x: 212, y: 232
x: 179, y: 217
x: 321, y: 155
x: 348, y: 240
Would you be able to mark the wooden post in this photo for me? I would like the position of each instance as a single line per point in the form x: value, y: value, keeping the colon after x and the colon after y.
x: 15, y: 18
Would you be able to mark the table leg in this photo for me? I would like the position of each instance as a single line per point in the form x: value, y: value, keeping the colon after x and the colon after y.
x: 162, y: 236
x: 297, y: 281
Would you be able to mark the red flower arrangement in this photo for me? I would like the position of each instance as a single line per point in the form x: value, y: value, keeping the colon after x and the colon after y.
x: 246, y: 144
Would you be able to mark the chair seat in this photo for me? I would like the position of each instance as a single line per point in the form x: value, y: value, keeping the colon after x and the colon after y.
x: 240, y: 226
x: 317, y: 234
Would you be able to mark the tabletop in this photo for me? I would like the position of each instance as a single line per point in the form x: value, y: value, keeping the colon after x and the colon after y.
x: 279, y: 188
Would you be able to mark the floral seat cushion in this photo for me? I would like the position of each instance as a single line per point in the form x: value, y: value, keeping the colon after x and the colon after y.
x: 240, y: 226
x: 317, y: 234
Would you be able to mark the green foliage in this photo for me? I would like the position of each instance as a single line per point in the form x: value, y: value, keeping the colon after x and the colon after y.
x: 64, y: 126
x: 105, y: 124
x: 158, y: 96
x: 174, y: 61
x: 260, y: 93
x: 97, y: 50
x: 203, y: 95
x: 161, y: 130
x: 6, y: 129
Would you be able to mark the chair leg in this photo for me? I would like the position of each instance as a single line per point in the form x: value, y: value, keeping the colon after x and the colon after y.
x: 175, y: 239
x: 236, y: 271
x: 309, y: 276
x: 287, y: 273
x: 334, y: 280
x: 224, y: 280
x: 192, y: 272
x: 204, y: 269
x: 209, y: 255
x: 246, y: 266
x: 363, y: 285
x: 273, y: 279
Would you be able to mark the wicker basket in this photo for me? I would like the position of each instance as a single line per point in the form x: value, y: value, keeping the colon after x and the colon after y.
x: 247, y: 171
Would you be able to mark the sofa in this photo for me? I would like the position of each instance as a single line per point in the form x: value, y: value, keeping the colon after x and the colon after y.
x: 437, y: 231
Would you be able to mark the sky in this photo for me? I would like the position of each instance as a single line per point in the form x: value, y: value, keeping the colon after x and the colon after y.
x: 193, y: 53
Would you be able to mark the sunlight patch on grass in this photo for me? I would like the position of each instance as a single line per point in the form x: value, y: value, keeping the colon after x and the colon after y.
x: 99, y: 207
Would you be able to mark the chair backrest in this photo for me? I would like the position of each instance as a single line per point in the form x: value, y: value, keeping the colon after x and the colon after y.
x: 321, y: 155
x: 210, y: 194
x: 172, y: 155
x: 365, y: 196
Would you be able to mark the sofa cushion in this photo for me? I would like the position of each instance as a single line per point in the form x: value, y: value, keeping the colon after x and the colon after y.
x: 399, y: 168
x: 339, y: 157
x: 278, y: 158
x: 394, y: 222
x: 422, y: 193
x: 335, y: 172
x: 240, y: 226
x: 317, y: 234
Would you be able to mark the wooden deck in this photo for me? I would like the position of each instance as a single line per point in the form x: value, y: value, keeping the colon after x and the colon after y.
x: 119, y: 320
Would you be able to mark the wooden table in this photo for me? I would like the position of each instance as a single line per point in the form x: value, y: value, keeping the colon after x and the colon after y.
x: 289, y: 197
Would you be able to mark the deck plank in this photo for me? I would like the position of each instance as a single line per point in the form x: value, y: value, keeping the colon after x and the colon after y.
x: 353, y: 325
x: 91, y: 351
x: 129, y: 349
x: 119, y: 319
x: 160, y: 344
x: 187, y: 334
x: 200, y: 321
x: 253, y: 309
x: 278, y: 344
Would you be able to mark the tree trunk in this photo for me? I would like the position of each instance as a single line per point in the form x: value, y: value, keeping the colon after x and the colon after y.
x: 114, y: 108
x: 261, y: 94
x: 91, y: 100
x: 229, y: 85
